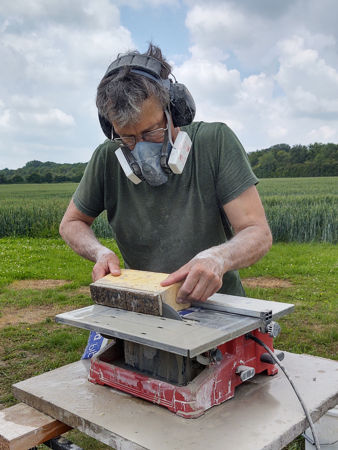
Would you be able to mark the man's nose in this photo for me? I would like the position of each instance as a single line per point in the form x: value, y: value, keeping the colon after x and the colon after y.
x: 139, y: 138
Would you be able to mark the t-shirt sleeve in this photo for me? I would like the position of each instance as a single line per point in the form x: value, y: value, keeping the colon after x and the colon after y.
x: 89, y: 195
x: 234, y: 174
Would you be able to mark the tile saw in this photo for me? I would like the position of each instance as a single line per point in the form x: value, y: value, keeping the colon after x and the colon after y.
x: 186, y: 358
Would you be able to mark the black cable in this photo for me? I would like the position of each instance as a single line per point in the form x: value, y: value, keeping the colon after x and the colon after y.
x: 307, y: 414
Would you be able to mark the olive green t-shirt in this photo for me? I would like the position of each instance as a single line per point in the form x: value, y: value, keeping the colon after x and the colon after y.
x: 160, y: 228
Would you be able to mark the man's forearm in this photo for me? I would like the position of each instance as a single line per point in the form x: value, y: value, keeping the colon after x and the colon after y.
x: 81, y: 238
x: 247, y: 247
x: 244, y: 249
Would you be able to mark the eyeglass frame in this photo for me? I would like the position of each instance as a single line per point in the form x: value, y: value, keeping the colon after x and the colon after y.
x: 120, y: 140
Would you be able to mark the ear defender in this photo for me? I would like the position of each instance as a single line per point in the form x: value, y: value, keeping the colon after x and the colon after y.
x: 182, y: 105
x: 106, y: 127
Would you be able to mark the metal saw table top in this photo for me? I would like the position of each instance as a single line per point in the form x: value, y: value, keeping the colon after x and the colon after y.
x: 201, y: 330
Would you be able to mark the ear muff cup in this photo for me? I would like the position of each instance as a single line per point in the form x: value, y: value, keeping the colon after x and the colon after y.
x: 182, y: 105
x: 107, y: 127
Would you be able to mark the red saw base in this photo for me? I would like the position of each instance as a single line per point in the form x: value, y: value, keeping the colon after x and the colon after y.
x: 215, y: 384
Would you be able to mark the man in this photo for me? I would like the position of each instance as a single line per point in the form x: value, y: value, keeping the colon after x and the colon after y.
x: 167, y: 222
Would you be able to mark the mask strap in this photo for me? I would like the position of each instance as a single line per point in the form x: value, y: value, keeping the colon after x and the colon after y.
x: 132, y: 162
x: 165, y: 155
x: 166, y: 112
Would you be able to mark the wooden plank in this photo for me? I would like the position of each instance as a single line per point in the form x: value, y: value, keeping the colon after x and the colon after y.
x: 23, y: 427
x: 137, y: 291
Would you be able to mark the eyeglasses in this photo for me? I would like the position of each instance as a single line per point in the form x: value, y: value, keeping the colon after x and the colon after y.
x: 148, y: 136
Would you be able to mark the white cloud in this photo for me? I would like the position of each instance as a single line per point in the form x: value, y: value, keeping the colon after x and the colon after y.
x: 5, y: 118
x: 209, y: 80
x: 54, y: 117
x: 24, y: 102
x: 257, y: 90
x: 139, y: 4
x: 277, y: 132
x: 273, y: 69
x: 324, y: 133
x: 310, y: 84
x: 207, y: 24
x: 78, y: 13
x: 54, y: 54
x: 226, y: 29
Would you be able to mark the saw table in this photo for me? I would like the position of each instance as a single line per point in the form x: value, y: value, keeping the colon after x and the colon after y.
x: 187, y: 365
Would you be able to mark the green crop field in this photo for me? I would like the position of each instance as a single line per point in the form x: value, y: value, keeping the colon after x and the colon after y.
x: 298, y: 209
x: 301, y: 209
x: 36, y: 210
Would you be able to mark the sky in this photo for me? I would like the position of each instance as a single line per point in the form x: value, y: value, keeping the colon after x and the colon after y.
x: 267, y: 68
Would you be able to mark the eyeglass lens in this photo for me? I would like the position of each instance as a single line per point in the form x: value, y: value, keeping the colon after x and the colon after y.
x: 149, y: 136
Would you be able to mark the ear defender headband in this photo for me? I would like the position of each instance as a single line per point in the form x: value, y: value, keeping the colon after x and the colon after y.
x: 182, y: 105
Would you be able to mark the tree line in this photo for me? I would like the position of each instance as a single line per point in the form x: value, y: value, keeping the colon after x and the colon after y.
x: 278, y: 161
x: 43, y: 172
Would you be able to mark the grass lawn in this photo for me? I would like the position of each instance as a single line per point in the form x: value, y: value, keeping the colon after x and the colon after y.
x: 32, y: 343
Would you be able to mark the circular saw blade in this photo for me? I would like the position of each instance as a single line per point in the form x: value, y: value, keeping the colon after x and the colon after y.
x: 169, y: 312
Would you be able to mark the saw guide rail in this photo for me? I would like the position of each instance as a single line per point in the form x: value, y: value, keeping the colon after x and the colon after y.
x: 187, y: 365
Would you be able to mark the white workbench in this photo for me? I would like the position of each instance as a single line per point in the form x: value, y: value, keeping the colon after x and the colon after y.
x: 264, y: 414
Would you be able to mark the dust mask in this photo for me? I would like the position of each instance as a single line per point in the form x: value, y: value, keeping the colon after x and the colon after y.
x: 148, y: 157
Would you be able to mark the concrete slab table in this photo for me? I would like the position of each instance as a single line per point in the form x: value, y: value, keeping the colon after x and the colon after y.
x: 264, y: 414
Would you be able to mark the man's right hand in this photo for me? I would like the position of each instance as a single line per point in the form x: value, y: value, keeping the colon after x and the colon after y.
x: 105, y: 264
x: 75, y: 229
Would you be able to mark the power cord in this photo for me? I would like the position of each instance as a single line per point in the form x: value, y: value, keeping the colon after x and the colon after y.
x: 307, y: 414
x: 311, y: 441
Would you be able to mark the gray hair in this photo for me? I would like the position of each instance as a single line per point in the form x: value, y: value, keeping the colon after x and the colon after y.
x: 120, y: 95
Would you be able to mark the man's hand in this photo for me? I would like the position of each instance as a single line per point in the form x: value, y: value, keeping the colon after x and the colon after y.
x: 106, y: 263
x: 203, y: 276
x: 76, y: 231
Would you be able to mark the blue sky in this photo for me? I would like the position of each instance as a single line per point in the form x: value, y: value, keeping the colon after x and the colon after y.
x: 269, y: 69
x: 163, y: 24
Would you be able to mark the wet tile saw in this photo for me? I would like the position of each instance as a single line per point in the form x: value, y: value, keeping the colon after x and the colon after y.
x: 187, y: 360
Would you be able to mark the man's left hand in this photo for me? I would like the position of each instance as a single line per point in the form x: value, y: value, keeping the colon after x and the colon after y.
x: 203, y: 276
